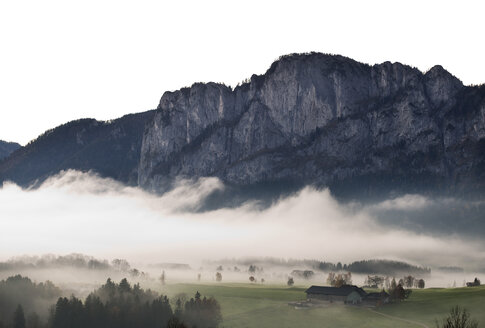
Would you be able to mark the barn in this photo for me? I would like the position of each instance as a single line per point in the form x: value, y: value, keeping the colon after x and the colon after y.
x: 348, y: 294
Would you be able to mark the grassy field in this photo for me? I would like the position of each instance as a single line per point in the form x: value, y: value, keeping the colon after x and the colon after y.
x: 245, y: 305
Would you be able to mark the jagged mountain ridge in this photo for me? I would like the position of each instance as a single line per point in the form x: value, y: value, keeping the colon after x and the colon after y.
x: 315, y: 119
x: 111, y: 149
x: 6, y: 148
x: 325, y: 120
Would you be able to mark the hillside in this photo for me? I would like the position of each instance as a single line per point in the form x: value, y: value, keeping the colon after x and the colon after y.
x: 245, y: 305
x: 111, y: 149
x: 6, y: 148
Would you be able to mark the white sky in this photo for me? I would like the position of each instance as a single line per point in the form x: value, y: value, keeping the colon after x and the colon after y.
x: 64, y: 60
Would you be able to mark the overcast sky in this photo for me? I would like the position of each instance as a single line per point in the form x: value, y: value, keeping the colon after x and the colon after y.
x: 64, y: 60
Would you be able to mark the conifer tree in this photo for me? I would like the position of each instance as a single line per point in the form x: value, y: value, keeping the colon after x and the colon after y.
x: 19, y: 317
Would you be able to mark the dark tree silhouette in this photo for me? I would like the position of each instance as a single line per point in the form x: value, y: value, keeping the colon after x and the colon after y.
x: 408, y: 281
x: 34, y: 297
x: 175, y: 323
x: 113, y: 305
x: 19, y: 317
x: 375, y: 281
x: 202, y: 313
x: 331, y: 278
x: 399, y: 293
x: 33, y: 321
x: 392, y: 286
x: 458, y: 318
x: 162, y: 277
x: 421, y: 283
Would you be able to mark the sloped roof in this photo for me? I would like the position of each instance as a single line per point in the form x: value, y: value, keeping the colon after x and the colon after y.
x: 376, y: 296
x: 335, y: 291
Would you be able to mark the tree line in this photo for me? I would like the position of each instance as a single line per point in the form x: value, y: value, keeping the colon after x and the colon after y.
x: 115, y: 305
x: 409, y: 281
x: 385, y: 267
x: 35, y: 298
x: 78, y: 261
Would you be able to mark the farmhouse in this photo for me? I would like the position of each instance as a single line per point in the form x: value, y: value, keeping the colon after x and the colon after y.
x: 348, y: 294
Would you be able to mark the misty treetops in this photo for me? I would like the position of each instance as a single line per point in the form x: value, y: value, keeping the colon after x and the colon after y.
x: 113, y: 305
x: 123, y: 306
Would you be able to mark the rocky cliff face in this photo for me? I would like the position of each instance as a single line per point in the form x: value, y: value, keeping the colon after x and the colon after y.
x: 325, y: 120
x: 6, y: 148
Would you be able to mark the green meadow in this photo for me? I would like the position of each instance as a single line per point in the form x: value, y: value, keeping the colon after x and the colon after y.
x: 246, y: 305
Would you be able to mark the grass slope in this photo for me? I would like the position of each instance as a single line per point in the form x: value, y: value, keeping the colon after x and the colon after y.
x: 245, y: 305
x: 428, y: 304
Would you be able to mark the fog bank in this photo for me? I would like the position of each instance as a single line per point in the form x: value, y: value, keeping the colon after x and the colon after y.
x: 83, y: 213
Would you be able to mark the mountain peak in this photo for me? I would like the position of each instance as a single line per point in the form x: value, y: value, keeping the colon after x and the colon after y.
x: 312, y: 118
x: 440, y: 85
x: 438, y: 71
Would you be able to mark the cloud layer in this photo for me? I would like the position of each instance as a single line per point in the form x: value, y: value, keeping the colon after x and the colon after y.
x: 81, y: 212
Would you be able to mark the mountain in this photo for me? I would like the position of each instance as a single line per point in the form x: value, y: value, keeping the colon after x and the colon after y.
x: 328, y: 121
x: 6, y: 148
x: 111, y: 149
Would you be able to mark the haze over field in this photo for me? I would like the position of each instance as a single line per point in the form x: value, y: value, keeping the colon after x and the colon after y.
x: 81, y: 212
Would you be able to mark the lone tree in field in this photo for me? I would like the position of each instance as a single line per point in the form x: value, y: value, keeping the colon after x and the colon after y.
x: 218, y: 276
x: 409, y: 281
x: 458, y: 318
x: 290, y: 282
x: 393, y: 285
x: 375, y: 281
x: 421, y: 283
x: 331, y: 278
x: 339, y: 281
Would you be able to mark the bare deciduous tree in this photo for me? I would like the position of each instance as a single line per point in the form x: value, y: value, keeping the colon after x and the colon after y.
x: 458, y: 318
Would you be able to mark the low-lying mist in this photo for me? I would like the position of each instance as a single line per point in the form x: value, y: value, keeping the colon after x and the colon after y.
x: 76, y: 212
